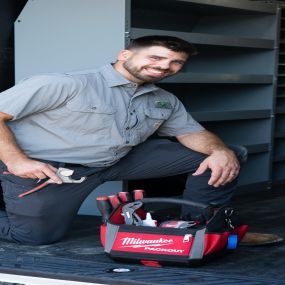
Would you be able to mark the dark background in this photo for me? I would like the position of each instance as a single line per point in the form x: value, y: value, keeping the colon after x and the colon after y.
x: 9, y: 11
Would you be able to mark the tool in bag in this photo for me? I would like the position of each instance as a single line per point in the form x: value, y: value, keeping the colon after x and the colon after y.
x: 132, y: 233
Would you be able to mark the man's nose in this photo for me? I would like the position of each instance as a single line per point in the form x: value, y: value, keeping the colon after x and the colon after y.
x: 164, y: 65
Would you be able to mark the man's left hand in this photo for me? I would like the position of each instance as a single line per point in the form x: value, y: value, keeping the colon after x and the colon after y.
x: 224, y: 165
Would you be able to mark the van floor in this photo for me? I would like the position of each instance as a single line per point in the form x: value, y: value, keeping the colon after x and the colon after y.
x: 80, y: 257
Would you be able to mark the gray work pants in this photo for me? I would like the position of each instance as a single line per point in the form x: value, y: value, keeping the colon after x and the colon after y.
x: 45, y: 216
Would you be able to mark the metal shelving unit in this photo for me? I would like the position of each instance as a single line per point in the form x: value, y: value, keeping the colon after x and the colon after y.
x: 279, y: 141
x: 233, y: 72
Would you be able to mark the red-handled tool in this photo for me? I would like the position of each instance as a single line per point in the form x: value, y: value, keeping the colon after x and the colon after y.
x: 34, y: 189
x: 138, y: 194
x: 124, y: 196
x: 114, y: 200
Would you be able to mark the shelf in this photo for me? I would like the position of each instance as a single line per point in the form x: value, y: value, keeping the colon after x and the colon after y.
x: 184, y: 77
x: 257, y: 148
x: 239, y: 5
x: 207, y: 39
x: 230, y: 115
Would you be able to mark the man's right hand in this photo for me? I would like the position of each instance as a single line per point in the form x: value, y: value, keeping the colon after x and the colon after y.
x: 29, y: 168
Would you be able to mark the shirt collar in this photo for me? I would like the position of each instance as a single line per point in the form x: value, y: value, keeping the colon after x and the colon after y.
x: 115, y: 78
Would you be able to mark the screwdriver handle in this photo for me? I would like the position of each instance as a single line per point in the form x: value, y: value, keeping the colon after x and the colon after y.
x: 124, y: 196
x: 104, y: 206
x: 138, y: 194
x: 114, y: 200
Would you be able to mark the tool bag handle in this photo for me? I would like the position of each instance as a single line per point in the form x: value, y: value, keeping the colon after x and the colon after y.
x: 175, y: 201
x: 206, y: 210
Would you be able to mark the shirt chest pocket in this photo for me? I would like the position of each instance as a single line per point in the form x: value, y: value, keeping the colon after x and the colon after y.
x: 153, y: 119
x: 95, y: 118
x: 157, y: 114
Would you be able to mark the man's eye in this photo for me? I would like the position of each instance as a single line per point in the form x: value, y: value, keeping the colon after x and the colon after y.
x: 155, y: 57
x: 179, y: 62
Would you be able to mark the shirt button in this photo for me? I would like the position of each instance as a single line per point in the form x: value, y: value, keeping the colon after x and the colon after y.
x: 127, y: 142
x: 127, y: 128
x: 94, y: 108
x: 131, y: 113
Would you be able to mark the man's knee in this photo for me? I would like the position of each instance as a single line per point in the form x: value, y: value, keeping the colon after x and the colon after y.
x: 37, y: 232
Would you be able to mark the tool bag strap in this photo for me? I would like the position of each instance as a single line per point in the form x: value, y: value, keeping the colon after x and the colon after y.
x: 197, y: 249
x: 205, y: 210
x: 175, y: 201
x: 111, y: 234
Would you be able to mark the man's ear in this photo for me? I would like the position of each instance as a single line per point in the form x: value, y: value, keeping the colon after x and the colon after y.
x: 124, y: 55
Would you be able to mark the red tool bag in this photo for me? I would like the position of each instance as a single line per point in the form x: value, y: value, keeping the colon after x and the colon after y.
x: 129, y: 234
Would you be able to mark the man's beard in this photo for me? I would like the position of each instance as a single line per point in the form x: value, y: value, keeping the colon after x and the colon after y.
x: 137, y: 73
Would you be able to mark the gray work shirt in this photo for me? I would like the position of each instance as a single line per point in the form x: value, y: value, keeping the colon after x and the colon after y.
x: 92, y: 117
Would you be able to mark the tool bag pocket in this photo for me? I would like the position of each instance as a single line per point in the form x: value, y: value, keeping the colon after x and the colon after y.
x: 180, y: 242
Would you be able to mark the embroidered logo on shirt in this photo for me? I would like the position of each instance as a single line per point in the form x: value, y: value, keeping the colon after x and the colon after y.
x: 163, y: 104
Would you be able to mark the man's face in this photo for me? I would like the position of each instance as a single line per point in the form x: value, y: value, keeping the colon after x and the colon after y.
x: 152, y: 64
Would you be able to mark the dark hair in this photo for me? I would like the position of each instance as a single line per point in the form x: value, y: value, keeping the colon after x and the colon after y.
x: 172, y: 43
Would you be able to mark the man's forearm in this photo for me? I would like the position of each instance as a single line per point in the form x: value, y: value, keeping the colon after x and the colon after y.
x: 204, y: 142
x: 16, y: 160
x: 9, y: 150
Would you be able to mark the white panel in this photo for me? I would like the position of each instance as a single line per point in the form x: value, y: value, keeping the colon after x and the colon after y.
x: 65, y: 35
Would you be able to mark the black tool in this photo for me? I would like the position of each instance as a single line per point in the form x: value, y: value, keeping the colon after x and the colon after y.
x: 104, y: 206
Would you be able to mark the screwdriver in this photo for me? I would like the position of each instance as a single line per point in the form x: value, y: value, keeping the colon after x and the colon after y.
x: 114, y: 200
x: 124, y: 196
x: 138, y: 194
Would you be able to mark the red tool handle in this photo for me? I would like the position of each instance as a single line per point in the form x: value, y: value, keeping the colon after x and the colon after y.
x: 138, y: 194
x: 34, y: 189
x: 124, y: 196
x: 114, y: 200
